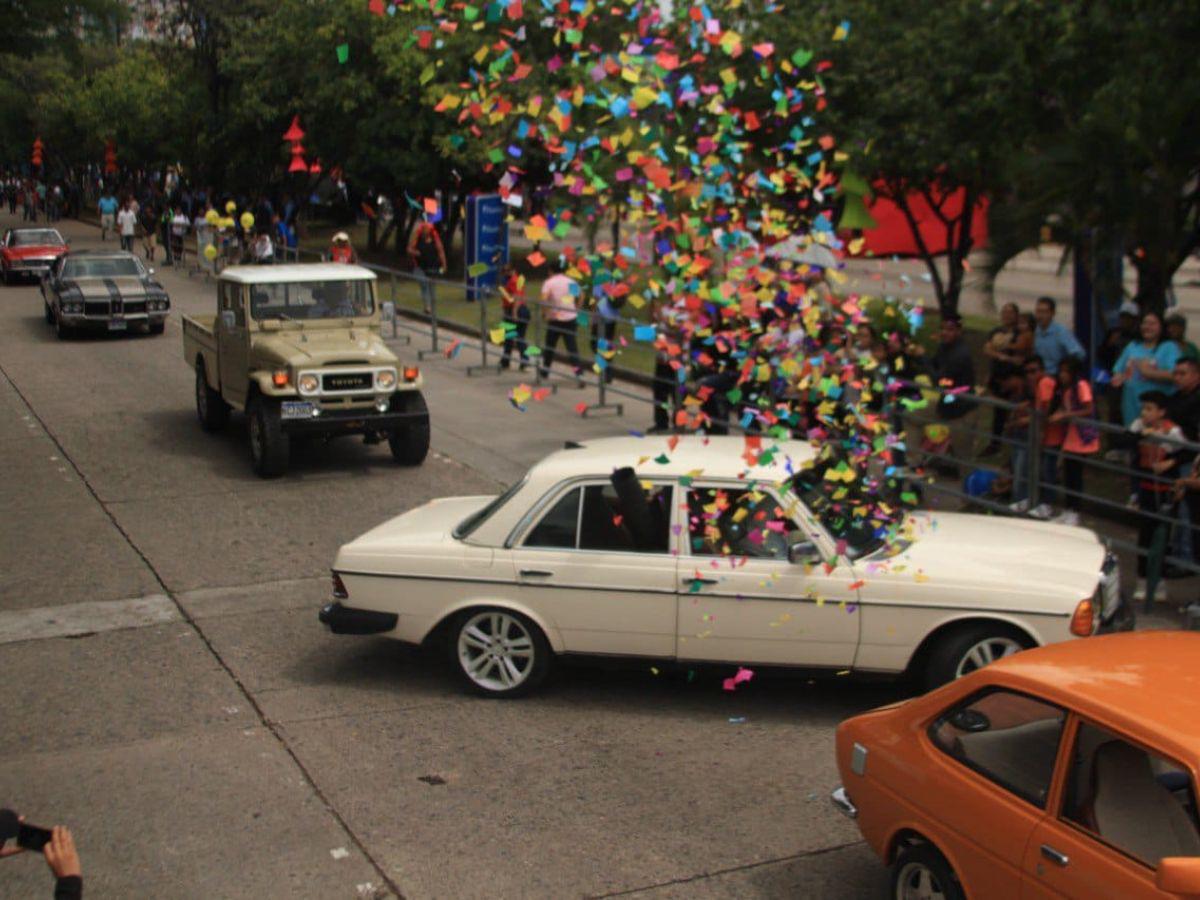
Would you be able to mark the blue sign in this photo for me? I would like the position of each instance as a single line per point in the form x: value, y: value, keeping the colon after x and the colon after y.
x: 487, y: 242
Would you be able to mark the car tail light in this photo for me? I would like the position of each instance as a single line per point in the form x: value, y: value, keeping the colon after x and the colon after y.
x: 339, y: 589
x: 411, y: 373
x: 1084, y: 620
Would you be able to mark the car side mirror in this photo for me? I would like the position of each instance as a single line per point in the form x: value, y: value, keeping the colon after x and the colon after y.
x: 228, y: 319
x: 1179, y: 875
x: 802, y: 552
x: 388, y: 311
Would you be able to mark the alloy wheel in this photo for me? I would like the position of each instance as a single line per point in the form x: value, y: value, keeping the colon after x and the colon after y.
x: 496, y: 651
x: 986, y: 651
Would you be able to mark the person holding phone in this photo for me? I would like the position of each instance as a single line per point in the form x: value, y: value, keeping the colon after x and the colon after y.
x: 57, y: 846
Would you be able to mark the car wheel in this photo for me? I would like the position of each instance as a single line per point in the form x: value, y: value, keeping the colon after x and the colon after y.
x: 410, y: 442
x: 269, y: 444
x: 211, y: 408
x: 963, y: 651
x: 921, y: 873
x: 499, y: 653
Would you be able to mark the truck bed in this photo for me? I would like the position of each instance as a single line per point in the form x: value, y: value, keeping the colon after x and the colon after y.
x: 200, y: 340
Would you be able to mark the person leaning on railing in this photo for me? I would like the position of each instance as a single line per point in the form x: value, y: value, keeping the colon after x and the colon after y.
x: 1158, y: 466
x: 1070, y: 404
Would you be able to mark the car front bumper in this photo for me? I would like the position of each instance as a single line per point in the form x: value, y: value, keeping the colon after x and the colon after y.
x: 354, y: 421
x: 113, y: 323
x: 348, y: 620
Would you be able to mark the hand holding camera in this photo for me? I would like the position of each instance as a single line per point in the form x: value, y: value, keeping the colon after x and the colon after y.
x: 56, y: 844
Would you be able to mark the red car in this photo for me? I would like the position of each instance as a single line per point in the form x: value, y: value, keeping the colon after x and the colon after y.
x: 29, y: 252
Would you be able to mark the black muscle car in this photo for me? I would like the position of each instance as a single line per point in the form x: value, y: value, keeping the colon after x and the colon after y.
x: 103, y: 290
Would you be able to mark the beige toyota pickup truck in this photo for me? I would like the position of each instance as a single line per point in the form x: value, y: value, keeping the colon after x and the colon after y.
x: 298, y: 349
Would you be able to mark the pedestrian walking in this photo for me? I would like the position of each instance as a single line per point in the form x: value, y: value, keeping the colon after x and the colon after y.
x: 107, y: 207
x: 560, y: 310
x: 429, y: 260
x: 516, y: 316
x: 148, y: 219
x: 127, y: 225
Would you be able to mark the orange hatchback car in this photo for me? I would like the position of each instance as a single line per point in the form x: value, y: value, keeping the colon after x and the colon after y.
x: 1065, y: 771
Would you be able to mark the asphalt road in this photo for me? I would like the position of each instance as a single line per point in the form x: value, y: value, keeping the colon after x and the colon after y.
x: 169, y: 694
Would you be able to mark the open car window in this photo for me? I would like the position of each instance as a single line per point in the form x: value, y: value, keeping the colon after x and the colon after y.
x: 1009, y: 738
x: 739, y: 522
x: 1139, y: 803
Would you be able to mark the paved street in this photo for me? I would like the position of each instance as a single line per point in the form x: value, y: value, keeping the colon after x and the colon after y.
x: 169, y: 694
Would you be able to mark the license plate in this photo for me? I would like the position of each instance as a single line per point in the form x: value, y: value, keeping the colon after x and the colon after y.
x: 296, y: 409
x: 118, y: 326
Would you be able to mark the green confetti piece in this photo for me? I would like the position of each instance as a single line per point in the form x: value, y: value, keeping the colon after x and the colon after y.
x: 802, y: 57
x: 343, y: 53
x: 734, y: 395
x: 662, y: 459
x: 427, y: 74
x: 476, y: 269
x: 470, y: 13
x: 532, y: 350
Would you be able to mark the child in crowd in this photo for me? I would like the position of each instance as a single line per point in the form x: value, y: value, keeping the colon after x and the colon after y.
x: 1072, y: 400
x: 1158, y: 465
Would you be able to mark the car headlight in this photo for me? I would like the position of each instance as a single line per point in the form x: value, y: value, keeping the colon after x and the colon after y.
x: 308, y: 383
x: 72, y: 309
x: 385, y: 380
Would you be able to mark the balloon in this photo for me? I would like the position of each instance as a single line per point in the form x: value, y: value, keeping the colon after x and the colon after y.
x: 247, y: 221
x: 230, y: 207
x: 210, y: 252
x: 212, y: 217
x: 227, y: 222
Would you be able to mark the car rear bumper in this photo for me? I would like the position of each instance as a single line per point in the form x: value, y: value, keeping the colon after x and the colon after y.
x: 348, y: 620
x: 842, y: 801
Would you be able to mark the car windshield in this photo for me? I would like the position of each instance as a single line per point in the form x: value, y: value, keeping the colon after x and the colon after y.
x: 309, y: 300
x: 102, y: 267
x: 856, y: 533
x: 36, y: 237
x: 471, y: 523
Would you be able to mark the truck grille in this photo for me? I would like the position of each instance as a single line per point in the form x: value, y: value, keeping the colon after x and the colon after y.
x: 347, y: 381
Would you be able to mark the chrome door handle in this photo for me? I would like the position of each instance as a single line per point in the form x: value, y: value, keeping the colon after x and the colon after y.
x: 699, y: 581
x: 535, y: 573
x: 1059, y: 859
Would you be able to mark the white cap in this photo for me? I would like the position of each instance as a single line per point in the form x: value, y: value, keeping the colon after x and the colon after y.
x: 341, y: 236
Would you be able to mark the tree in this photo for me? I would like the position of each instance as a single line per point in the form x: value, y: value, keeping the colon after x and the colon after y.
x: 932, y: 100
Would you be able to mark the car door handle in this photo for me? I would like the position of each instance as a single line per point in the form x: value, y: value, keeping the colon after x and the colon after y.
x: 1059, y: 859
x: 699, y: 580
x: 535, y: 573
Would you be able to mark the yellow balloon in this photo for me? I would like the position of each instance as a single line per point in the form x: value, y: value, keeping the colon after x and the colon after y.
x: 210, y: 252
x: 247, y: 221
x: 212, y: 217
x: 227, y: 222
x: 230, y: 207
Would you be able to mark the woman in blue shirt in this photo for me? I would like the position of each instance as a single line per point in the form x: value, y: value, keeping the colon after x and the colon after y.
x: 1145, y: 365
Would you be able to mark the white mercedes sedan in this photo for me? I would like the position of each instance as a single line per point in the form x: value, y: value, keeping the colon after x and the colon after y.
x: 682, y: 549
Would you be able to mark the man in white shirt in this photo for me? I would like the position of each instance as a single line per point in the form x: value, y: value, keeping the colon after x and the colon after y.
x: 179, y: 230
x: 559, y: 309
x: 127, y: 225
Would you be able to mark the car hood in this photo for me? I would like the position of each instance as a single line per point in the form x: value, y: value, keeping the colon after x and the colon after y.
x: 35, y: 251
x: 1001, y: 554
x: 402, y: 544
x: 357, y: 345
x: 126, y: 286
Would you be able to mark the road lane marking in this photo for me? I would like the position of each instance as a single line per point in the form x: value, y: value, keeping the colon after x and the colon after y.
x: 86, y: 618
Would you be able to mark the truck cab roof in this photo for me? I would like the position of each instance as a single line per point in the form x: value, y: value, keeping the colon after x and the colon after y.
x: 296, y: 272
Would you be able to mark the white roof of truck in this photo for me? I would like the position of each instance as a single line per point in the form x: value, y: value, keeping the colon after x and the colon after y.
x: 295, y: 272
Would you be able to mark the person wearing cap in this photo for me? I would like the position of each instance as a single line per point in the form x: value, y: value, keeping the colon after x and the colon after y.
x: 1177, y: 331
x: 340, y: 250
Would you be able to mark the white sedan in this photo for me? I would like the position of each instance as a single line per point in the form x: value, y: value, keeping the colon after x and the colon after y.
x: 680, y: 549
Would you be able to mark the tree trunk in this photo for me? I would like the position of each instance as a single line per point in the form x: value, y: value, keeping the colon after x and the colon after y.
x: 1152, y: 283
